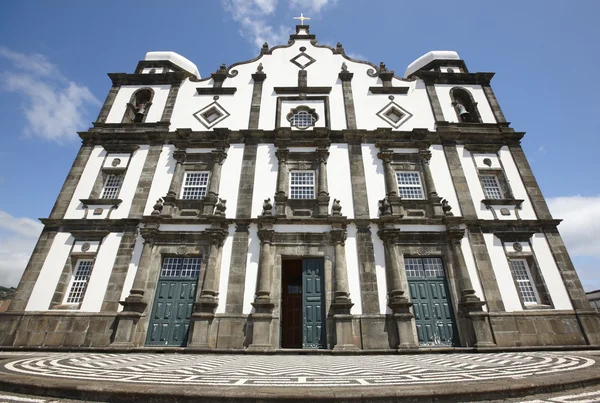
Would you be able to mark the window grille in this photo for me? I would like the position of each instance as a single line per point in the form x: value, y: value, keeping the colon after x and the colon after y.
x: 194, y: 185
x: 112, y: 186
x: 81, y: 276
x: 430, y: 267
x: 409, y: 185
x: 181, y: 267
x: 491, y: 187
x: 303, y: 120
x: 522, y: 275
x: 302, y: 185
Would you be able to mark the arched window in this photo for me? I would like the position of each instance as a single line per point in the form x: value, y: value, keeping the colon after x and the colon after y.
x: 465, y: 106
x: 302, y: 117
x: 138, y: 106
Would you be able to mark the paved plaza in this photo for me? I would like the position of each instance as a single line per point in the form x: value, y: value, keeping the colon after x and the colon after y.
x: 236, y: 375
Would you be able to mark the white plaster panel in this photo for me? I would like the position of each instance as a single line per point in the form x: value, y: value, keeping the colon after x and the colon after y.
x: 124, y: 160
x: 225, y: 266
x: 443, y: 93
x: 455, y: 69
x: 512, y: 215
x: 442, y: 178
x: 509, y: 246
x: 421, y: 228
x: 251, y: 268
x: 124, y: 96
x: 230, y: 178
x: 44, y: 288
x: 162, y: 177
x: 157, y: 70
x: 105, y: 260
x: 492, y: 157
x: 352, y: 267
x: 317, y: 105
x: 506, y: 284
x: 130, y: 182
x: 132, y: 269
x: 472, y: 269
x: 302, y: 149
x: 86, y: 183
x: 185, y: 227
x: 547, y: 265
x: 199, y: 150
x: 301, y: 228
x: 516, y: 184
x: 379, y: 252
x: 473, y: 182
x: 405, y: 150
x: 374, y: 180
x: 265, y: 177
x: 93, y: 246
x: 338, y: 177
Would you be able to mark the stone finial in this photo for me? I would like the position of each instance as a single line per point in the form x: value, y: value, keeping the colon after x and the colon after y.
x: 222, y: 68
x: 157, y: 208
x: 336, y: 208
x: 446, y: 207
x: 267, y: 207
x: 259, y: 68
x: 344, y: 66
x: 339, y: 45
x: 265, y: 48
x: 384, y: 207
x: 220, y: 207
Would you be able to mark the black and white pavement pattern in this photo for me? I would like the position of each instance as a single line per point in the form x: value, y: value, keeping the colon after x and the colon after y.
x: 297, y: 371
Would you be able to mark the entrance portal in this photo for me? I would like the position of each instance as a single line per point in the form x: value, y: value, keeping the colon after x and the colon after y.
x: 302, y: 304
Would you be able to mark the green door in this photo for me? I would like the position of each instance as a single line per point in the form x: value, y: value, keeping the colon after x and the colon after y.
x: 431, y: 304
x: 313, y: 317
x: 173, y: 302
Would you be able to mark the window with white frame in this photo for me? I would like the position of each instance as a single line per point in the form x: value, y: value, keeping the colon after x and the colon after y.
x: 491, y: 187
x: 79, y: 281
x: 522, y: 275
x: 302, y: 185
x: 181, y: 267
x: 409, y: 185
x: 194, y: 185
x: 112, y: 186
x: 424, y: 267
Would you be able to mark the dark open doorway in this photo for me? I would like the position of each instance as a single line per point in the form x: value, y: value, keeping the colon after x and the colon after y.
x: 291, y: 304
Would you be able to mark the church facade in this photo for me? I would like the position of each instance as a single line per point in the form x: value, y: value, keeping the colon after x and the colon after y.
x: 300, y: 200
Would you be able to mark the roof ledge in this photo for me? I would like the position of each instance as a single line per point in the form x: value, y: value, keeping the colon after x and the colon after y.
x: 176, y: 59
x: 428, y: 58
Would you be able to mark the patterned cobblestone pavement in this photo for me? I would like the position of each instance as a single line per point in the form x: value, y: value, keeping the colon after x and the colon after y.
x: 293, y: 370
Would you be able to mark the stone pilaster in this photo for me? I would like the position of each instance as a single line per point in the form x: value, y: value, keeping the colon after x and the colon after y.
x: 323, y: 191
x: 246, y: 189
x: 170, y: 104
x: 432, y: 195
x: 485, y: 270
x: 119, y: 271
x: 140, y: 198
x: 396, y: 278
x: 391, y: 186
x: 531, y: 186
x: 237, y: 270
x: 283, y: 179
x: 342, y: 303
x: 258, y: 77
x: 460, y: 182
x: 434, y: 101
x: 346, y: 78
x: 263, y: 305
x: 212, y: 194
x: 180, y: 156
x: 491, y: 97
x: 369, y: 294
x: 357, y: 178
x: 108, y: 103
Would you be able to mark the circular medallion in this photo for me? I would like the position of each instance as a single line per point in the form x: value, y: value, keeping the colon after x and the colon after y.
x: 85, y: 247
x: 181, y: 250
x: 391, y: 97
x: 302, y: 49
x: 216, y: 97
x: 517, y: 246
x: 116, y: 162
x: 422, y: 251
x: 487, y: 162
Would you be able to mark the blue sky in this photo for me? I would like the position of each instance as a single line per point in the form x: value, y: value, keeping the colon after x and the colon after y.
x: 54, y: 57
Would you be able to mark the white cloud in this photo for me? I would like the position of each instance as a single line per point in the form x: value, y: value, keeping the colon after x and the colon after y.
x: 18, y: 236
x: 581, y: 233
x: 54, y: 107
x: 314, y: 6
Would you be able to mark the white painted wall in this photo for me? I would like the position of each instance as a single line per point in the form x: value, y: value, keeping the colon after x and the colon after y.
x: 301, y: 228
x: 373, y: 177
x: 124, y: 96
x: 105, y: 260
x: 132, y: 269
x: 251, y: 268
x: 338, y: 178
x: 516, y: 184
x: 130, y: 182
x: 225, y: 265
x: 443, y: 93
x: 547, y: 265
x: 472, y: 177
x: 442, y: 178
x: 162, y: 177
x: 44, y: 288
x: 352, y: 267
x: 86, y: 183
x: 508, y: 291
x: 472, y: 268
x: 265, y: 177
x: 379, y: 251
x: 230, y: 178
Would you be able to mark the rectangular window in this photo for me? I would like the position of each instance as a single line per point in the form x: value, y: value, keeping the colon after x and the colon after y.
x: 409, y: 185
x: 81, y: 276
x: 491, y: 187
x: 302, y: 185
x: 112, y: 186
x: 181, y: 267
x: 522, y: 275
x: 430, y: 267
x: 194, y: 185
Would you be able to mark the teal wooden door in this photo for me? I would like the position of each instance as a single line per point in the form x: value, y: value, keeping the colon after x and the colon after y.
x: 174, y: 302
x: 313, y: 316
x: 432, y: 307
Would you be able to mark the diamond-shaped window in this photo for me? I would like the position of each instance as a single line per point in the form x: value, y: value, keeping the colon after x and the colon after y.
x: 302, y: 60
x: 394, y: 115
x: 211, y: 114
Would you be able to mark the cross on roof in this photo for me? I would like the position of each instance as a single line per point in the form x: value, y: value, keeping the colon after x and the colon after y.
x: 302, y: 18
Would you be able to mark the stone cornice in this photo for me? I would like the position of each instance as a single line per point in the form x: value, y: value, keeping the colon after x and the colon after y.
x: 389, y: 90
x: 436, y: 77
x: 303, y: 90
x: 216, y: 90
x: 172, y: 78
x: 99, y: 225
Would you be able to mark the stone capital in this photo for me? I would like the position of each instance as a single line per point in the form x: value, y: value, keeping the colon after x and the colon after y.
x: 385, y: 154
x: 338, y: 236
x: 424, y: 156
x: 216, y: 236
x: 455, y: 235
x: 219, y: 155
x: 180, y: 156
x: 282, y: 155
x: 322, y: 155
x: 265, y: 235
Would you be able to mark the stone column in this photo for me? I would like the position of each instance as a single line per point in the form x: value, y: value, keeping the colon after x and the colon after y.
x: 436, y: 201
x: 469, y: 306
x: 169, y: 200
x: 212, y: 194
x: 263, y: 305
x: 207, y: 299
x: 282, y: 182
x: 323, y: 196
x: 397, y: 301
x: 391, y: 185
x: 135, y: 304
x: 342, y: 303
